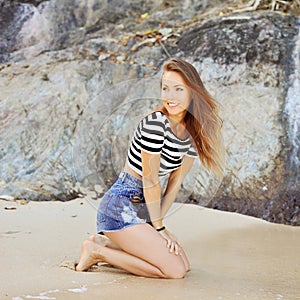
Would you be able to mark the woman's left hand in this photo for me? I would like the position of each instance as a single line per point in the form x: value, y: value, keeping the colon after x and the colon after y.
x: 172, y: 243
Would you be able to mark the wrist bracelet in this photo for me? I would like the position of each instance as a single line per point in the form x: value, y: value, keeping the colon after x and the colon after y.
x: 160, y: 229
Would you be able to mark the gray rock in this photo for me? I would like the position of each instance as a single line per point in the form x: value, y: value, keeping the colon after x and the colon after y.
x: 250, y: 64
x: 77, y: 79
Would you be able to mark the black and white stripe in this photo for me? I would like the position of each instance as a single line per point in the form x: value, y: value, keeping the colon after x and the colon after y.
x: 154, y: 135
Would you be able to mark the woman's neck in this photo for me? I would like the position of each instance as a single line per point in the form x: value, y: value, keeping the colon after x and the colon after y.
x: 178, y: 127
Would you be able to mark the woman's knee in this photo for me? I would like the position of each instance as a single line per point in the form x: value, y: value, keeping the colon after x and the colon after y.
x: 175, y: 271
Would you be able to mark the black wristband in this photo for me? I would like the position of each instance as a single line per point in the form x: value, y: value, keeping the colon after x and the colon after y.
x: 160, y: 229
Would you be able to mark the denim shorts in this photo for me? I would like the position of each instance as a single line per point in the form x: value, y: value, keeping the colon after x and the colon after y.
x: 123, y: 205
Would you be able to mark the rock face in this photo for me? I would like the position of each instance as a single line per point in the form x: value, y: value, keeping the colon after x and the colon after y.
x: 254, y: 63
x: 77, y: 76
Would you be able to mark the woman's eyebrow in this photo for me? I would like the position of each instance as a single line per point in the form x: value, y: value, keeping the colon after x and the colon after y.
x: 176, y: 85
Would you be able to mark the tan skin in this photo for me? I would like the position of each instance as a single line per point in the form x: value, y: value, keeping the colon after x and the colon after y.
x: 140, y: 249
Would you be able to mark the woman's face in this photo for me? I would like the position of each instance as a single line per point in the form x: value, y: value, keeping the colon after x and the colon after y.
x: 175, y: 94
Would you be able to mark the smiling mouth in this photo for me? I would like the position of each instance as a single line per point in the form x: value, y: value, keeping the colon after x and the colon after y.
x: 172, y: 104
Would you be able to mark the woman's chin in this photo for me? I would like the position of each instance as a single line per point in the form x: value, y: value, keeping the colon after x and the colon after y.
x: 175, y: 111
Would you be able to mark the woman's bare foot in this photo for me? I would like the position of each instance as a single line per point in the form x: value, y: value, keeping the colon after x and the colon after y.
x: 104, y: 241
x: 90, y: 255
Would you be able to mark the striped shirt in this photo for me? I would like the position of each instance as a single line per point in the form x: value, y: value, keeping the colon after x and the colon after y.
x: 154, y: 135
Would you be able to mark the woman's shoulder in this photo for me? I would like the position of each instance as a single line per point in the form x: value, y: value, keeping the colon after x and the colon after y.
x: 154, y: 121
x: 157, y: 116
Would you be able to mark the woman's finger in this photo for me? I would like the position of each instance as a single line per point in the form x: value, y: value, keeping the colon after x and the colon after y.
x: 176, y: 248
x: 172, y: 243
x: 169, y: 243
x: 171, y: 247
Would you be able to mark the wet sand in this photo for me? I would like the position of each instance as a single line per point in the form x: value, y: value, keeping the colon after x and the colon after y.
x: 232, y: 256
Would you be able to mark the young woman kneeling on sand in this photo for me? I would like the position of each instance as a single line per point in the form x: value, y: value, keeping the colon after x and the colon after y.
x: 165, y: 142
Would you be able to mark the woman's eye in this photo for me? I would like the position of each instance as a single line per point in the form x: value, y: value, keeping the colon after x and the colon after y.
x: 179, y: 89
x: 164, y: 88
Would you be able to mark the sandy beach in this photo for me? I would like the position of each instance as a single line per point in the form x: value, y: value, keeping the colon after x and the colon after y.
x: 232, y: 256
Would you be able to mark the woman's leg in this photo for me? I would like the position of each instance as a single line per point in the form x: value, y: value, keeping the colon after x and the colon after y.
x: 104, y: 241
x: 143, y: 253
x: 95, y: 253
x: 185, y: 259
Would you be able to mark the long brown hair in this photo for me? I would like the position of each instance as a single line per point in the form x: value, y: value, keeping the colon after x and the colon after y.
x: 202, y: 119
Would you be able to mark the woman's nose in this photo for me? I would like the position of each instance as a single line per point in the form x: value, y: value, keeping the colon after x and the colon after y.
x: 170, y: 95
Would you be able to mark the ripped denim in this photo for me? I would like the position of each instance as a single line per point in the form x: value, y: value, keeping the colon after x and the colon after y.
x: 123, y: 205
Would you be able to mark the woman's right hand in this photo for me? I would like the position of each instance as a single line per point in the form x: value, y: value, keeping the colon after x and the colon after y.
x: 172, y: 243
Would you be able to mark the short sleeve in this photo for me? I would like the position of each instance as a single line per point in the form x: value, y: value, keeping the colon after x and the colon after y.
x: 191, y: 152
x: 152, y: 131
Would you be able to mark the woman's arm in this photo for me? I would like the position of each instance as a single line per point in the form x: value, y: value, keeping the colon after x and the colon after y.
x: 151, y: 187
x: 174, y: 183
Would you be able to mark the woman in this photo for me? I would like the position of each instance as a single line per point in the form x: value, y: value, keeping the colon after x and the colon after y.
x: 165, y: 142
